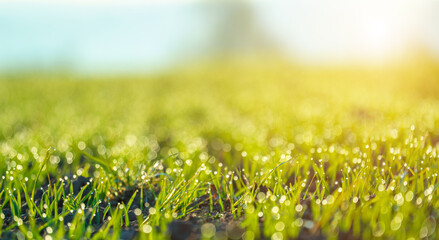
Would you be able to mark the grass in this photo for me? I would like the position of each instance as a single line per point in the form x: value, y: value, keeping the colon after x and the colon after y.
x: 240, y: 151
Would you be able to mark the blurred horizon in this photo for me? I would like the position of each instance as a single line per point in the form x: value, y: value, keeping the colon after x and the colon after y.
x: 134, y: 36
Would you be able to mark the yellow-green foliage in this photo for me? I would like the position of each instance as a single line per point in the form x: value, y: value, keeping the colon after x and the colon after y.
x: 361, y: 144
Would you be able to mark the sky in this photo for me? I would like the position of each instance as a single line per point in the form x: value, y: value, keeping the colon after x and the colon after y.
x: 105, y: 36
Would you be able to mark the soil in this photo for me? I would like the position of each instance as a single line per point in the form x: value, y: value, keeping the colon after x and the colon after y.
x: 190, y: 227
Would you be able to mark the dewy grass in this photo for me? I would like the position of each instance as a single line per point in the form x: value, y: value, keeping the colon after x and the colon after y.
x: 239, y: 151
x: 43, y: 164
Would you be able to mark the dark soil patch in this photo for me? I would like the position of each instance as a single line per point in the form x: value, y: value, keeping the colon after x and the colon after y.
x: 190, y: 226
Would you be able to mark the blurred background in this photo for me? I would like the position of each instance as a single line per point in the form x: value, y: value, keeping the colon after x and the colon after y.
x: 97, y: 37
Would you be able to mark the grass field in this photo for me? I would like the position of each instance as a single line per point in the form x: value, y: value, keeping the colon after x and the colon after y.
x: 236, y: 150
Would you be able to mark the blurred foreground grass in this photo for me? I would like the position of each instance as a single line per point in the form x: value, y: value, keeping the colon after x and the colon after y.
x: 361, y: 146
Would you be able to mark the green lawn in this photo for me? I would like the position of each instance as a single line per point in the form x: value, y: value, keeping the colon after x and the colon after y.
x: 237, y: 150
